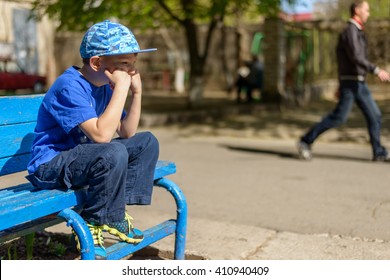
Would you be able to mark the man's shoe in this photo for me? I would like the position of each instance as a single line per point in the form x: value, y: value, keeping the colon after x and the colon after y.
x: 125, y: 230
x: 381, y: 158
x: 98, y: 241
x: 304, y: 151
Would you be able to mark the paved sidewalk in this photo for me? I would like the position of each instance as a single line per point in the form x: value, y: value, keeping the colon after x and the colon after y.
x: 253, y: 199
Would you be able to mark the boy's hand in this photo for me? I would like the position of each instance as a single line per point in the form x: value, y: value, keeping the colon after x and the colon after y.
x: 119, y: 79
x: 136, y: 83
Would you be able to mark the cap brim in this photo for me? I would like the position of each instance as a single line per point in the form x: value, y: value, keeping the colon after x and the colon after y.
x: 128, y: 52
x: 146, y: 50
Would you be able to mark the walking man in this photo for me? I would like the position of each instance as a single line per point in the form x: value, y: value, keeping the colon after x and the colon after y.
x: 353, y: 65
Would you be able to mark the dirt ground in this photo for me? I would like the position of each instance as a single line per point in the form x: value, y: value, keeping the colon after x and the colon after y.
x: 46, y: 246
x: 58, y: 246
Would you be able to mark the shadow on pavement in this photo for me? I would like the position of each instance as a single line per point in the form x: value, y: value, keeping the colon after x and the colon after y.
x: 282, y: 154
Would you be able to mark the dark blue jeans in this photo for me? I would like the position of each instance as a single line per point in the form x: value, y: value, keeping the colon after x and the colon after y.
x: 117, y: 173
x: 350, y: 92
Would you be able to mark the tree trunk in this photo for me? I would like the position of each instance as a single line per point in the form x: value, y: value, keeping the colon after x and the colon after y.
x: 274, y: 61
x: 197, y: 64
x: 179, y: 63
x: 229, y: 78
x: 197, y: 57
x: 195, y: 95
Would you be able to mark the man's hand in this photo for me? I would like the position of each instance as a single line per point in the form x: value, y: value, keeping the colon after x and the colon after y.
x: 383, y: 75
x: 337, y: 94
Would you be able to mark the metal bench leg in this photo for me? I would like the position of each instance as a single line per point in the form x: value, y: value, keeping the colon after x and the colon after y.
x: 78, y: 224
x: 181, y: 221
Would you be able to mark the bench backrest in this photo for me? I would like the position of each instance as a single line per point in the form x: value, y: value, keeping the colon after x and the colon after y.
x: 18, y: 115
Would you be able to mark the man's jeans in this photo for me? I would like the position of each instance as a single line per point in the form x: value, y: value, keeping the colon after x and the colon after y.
x: 117, y: 173
x: 350, y: 92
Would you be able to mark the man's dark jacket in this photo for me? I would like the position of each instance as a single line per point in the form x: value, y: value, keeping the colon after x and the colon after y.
x: 352, y: 53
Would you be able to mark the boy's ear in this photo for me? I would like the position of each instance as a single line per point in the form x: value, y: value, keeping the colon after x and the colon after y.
x: 94, y: 63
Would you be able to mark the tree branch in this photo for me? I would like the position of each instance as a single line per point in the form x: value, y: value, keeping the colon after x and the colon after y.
x: 213, y: 24
x: 170, y: 12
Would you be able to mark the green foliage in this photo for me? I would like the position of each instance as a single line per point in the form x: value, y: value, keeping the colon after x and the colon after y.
x: 270, y: 8
x: 12, y: 253
x: 56, y: 248
x: 79, y: 14
x: 379, y: 9
x: 12, y: 250
x: 30, y: 245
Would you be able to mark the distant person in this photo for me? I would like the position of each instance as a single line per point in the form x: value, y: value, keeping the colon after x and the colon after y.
x: 353, y: 65
x: 254, y: 78
x: 250, y: 78
x: 78, y: 117
x: 242, y: 82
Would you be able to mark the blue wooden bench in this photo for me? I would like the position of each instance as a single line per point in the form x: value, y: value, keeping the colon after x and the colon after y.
x: 25, y: 209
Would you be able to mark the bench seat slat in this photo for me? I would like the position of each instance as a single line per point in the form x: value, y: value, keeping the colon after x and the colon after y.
x: 18, y: 188
x: 33, y: 207
x: 164, y: 168
x: 14, y: 192
x: 26, y: 199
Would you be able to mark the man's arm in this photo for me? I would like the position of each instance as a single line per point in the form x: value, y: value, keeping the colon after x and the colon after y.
x: 358, y: 55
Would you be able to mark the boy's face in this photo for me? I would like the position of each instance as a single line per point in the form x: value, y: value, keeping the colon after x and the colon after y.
x: 123, y: 62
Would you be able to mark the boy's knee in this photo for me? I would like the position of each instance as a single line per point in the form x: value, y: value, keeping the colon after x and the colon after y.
x: 151, y: 141
x: 115, y: 154
x: 111, y: 157
x: 154, y: 141
x: 155, y: 146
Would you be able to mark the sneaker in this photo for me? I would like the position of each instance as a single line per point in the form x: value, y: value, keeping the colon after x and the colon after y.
x: 381, y: 158
x: 98, y: 241
x: 304, y: 151
x: 125, y: 230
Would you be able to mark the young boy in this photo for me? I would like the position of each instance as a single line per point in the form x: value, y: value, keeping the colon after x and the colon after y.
x: 74, y: 145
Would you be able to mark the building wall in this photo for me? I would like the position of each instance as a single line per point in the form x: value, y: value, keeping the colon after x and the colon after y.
x: 28, y: 42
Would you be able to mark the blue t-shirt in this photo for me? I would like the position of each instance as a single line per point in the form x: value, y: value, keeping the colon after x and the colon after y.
x: 70, y: 101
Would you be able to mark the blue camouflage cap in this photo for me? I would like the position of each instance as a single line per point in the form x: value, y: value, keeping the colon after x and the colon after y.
x: 109, y: 38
